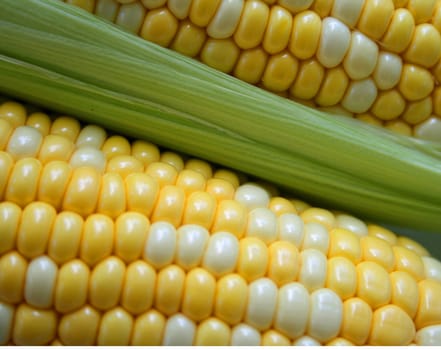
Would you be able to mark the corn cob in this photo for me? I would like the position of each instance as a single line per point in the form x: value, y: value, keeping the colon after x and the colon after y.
x: 112, y: 242
x: 377, y: 61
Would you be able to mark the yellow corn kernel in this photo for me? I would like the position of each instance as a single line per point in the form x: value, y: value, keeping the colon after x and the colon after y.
x: 23, y: 181
x: 322, y: 7
x: 425, y: 46
x: 344, y: 243
x: 79, y: 327
x: 200, y: 208
x: 399, y: 127
x: 360, y: 95
x: 334, y: 42
x: 199, y: 292
x: 253, y: 259
x: 273, y: 338
x: 179, y: 330
x: 226, y: 19
x: 169, y: 205
x: 190, y: 181
x: 418, y: 111
x: 306, y: 341
x: 139, y: 287
x: 416, y: 82
x: 231, y: 217
x: 405, y: 292
x: 106, y: 281
x: 318, y: 215
x: 250, y: 65
x: 35, y: 228
x: 382, y: 233
x: 356, y: 325
x: 6, y: 166
x: 55, y: 147
x: 400, y: 31
x: 347, y: 11
x: 159, y: 26
x: 169, y: 289
x: 164, y: 173
x: 39, y: 121
x: 72, y: 286
x: 66, y: 127
x: 87, y: 5
x: 202, y: 11
x: 377, y: 250
x: 436, y: 16
x: 295, y: 6
x: 421, y: 11
x: 391, y: 325
x: 388, y: 105
x: 88, y: 156
x: 148, y: 329
x: 375, y: 18
x: 373, y: 285
x: 13, y: 112
x: 278, y: 30
x: 231, y: 298
x: 12, y: 278
x: 412, y: 245
x: 189, y: 39
x: 326, y: 315
x: 97, y: 239
x: 64, y: 243
x: 152, y: 4
x: 308, y: 80
x: 33, y: 326
x: 200, y: 166
x: 81, y: 195
x: 115, y: 328
x: 112, y: 196
x: 369, y: 118
x: 409, y: 261
x: 280, y: 72
x: 107, y: 9
x: 24, y: 141
x: 339, y: 342
x: 6, y: 130
x: 145, y: 152
x: 341, y: 277
x: 10, y: 215
x: 333, y: 87
x: 283, y: 262
x: 221, y: 254
x: 160, y: 246
x: 115, y: 146
x: 40, y: 282
x: 124, y: 165
x: 280, y: 206
x: 305, y: 35
x: 141, y: 193
x: 220, y: 54
x: 232, y: 177
x: 220, y: 188
x: 251, y: 28
x: 53, y: 183
x: 191, y: 243
x: 429, y: 306
x: 212, y: 332
x: 130, y: 233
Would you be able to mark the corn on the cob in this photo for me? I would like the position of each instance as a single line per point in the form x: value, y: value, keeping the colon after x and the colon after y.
x: 372, y: 58
x: 113, y: 242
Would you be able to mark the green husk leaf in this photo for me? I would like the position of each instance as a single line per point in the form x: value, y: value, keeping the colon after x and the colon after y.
x: 63, y: 58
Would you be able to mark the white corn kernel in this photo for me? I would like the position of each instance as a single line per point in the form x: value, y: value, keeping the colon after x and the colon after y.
x: 290, y: 228
x: 334, y: 42
x: 429, y: 336
x: 362, y: 56
x: 91, y: 135
x: 316, y: 237
x: 313, y: 269
x: 88, y: 156
x: 179, y: 8
x: 221, y: 253
x: 387, y: 73
x: 360, y: 95
x: 179, y: 331
x: 326, y: 315
x: 6, y: 318
x: 347, y: 11
x: 192, y: 240
x: 305, y: 341
x: 292, y: 310
x: 160, y: 245
x: 262, y: 301
x: 25, y: 141
x: 432, y: 268
x: 295, y: 6
x: 245, y: 335
x: 40, y: 282
x: 352, y: 224
x: 262, y: 223
x: 226, y: 19
x: 252, y: 196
